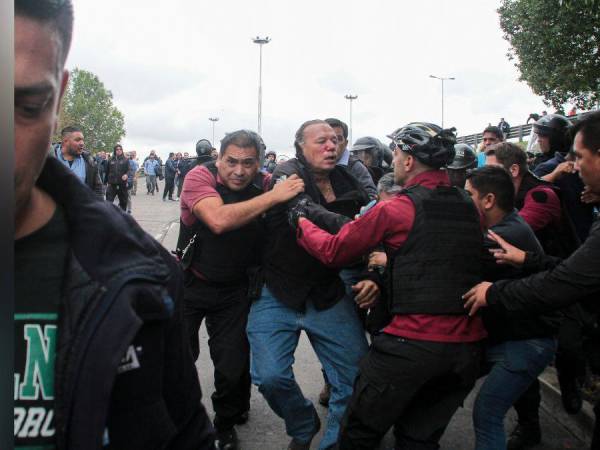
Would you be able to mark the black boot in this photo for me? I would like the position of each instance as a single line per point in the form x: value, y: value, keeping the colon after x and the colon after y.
x: 524, y: 436
x: 570, y: 392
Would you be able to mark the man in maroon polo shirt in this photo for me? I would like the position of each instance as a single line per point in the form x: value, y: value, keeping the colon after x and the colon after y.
x: 221, y: 237
x: 423, y: 365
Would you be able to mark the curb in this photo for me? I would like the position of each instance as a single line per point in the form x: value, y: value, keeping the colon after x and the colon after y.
x: 580, y: 425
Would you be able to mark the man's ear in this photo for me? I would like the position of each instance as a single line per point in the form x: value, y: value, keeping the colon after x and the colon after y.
x: 489, y: 200
x: 409, y: 162
x: 514, y: 171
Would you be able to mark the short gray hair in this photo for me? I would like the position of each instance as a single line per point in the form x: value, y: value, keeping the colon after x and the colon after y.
x: 386, y: 184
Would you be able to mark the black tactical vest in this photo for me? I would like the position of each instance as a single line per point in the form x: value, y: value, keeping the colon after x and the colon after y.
x: 441, y: 259
x: 225, y: 258
x: 557, y: 239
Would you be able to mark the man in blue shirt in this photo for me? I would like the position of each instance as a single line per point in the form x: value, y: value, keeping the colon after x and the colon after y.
x: 150, y: 166
x: 131, y: 178
x: 71, y: 153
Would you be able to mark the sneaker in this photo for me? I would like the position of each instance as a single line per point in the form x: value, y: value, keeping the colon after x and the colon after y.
x: 164, y: 199
x: 524, y: 437
x: 172, y: 199
x: 297, y: 445
x: 324, y: 395
x: 227, y: 440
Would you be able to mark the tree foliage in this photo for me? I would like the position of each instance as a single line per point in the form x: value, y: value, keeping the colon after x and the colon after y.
x: 89, y: 105
x: 555, y: 45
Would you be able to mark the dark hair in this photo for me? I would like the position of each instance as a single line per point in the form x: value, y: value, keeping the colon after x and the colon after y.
x: 589, y: 127
x: 243, y: 139
x: 494, y: 180
x: 508, y: 154
x: 116, y: 147
x: 494, y: 130
x: 57, y: 13
x: 299, y: 136
x: 70, y: 129
x: 337, y: 123
x: 171, y: 154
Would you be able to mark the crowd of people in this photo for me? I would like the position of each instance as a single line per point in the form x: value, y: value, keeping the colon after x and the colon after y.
x: 414, y: 268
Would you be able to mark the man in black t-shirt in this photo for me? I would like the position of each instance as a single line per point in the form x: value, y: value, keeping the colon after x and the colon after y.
x: 94, y: 318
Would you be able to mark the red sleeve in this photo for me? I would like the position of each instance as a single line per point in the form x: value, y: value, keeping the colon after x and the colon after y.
x: 198, y: 184
x: 267, y: 181
x: 387, y: 222
x: 540, y: 208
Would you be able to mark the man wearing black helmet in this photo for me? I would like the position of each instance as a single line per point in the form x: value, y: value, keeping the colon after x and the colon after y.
x: 423, y: 365
x: 220, y: 242
x: 270, y: 163
x: 204, y: 151
x: 550, y: 132
x: 370, y: 151
x: 464, y: 159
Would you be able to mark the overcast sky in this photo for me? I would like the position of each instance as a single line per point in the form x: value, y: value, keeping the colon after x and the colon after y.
x: 172, y: 65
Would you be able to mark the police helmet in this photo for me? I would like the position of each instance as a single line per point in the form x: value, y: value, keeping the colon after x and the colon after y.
x: 371, y: 145
x: 429, y: 143
x: 203, y: 148
x: 464, y: 158
x: 555, y: 127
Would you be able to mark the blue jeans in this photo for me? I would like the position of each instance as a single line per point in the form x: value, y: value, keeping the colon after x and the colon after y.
x: 339, y: 342
x: 514, y: 366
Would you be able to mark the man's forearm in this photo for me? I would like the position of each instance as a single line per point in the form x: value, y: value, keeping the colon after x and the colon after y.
x: 232, y: 216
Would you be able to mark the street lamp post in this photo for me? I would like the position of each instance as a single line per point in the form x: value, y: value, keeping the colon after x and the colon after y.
x: 260, y: 41
x: 442, y: 79
x: 213, y: 120
x: 350, y: 98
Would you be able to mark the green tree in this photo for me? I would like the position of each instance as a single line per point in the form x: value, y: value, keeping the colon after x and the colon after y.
x: 89, y: 105
x: 555, y: 45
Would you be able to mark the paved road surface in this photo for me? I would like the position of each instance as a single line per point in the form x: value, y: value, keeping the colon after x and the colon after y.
x: 264, y: 430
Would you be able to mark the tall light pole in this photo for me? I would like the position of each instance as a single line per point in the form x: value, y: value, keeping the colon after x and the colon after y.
x: 213, y: 120
x: 442, y: 79
x: 260, y: 41
x: 350, y: 98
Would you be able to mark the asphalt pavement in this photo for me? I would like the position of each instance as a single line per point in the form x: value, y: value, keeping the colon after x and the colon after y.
x: 266, y: 431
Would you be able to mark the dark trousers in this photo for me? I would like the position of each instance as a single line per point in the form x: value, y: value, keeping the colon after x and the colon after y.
x: 120, y: 190
x: 415, y: 386
x: 225, y: 308
x: 169, y: 186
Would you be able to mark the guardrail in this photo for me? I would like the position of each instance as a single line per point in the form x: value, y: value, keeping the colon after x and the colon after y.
x: 517, y: 132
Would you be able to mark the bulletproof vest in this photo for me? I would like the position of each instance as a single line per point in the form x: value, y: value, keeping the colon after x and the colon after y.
x: 286, y: 263
x: 441, y: 259
x: 557, y: 239
x: 226, y: 257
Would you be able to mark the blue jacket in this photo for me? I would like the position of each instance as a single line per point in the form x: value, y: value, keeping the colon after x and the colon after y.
x: 150, y: 166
